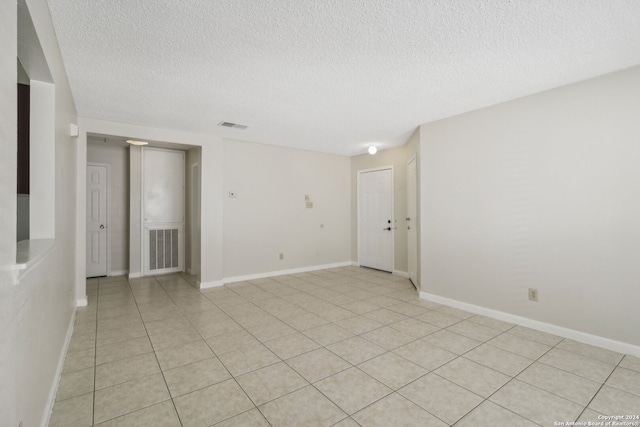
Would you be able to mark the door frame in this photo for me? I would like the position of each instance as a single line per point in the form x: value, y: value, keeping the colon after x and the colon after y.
x: 393, y: 212
x: 143, y: 255
x: 413, y: 223
x: 108, y: 208
x: 195, y: 225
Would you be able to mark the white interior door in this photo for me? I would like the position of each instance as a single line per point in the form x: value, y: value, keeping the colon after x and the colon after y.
x: 375, y: 219
x: 97, y: 246
x: 163, y: 210
x: 412, y: 224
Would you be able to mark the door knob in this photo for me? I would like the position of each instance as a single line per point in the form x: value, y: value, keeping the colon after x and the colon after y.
x: 101, y: 226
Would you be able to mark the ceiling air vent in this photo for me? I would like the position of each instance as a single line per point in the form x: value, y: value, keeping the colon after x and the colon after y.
x: 232, y: 125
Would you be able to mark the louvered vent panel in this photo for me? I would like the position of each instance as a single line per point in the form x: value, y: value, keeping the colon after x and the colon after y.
x: 164, y: 249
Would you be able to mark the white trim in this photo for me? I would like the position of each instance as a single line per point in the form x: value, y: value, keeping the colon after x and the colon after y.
x: 135, y: 275
x: 56, y: 382
x: 211, y: 284
x: 82, y: 302
x: 400, y: 273
x: 118, y: 273
x: 583, y: 337
x: 393, y: 211
x: 29, y: 254
x: 194, y: 220
x: 285, y: 272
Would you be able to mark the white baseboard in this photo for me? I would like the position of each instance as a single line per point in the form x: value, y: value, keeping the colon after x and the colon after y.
x: 607, y: 343
x: 56, y: 381
x: 400, y: 273
x: 210, y: 284
x: 135, y: 275
x: 118, y: 273
x: 284, y: 272
x: 82, y: 302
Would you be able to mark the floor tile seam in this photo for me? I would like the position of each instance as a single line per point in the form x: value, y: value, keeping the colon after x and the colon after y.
x: 599, y: 389
x: 488, y: 342
x: 499, y: 405
x: 386, y: 350
x: 460, y: 385
x: 157, y: 364
x: 589, y: 357
x: 95, y: 364
x: 431, y: 413
x: 452, y: 332
x: 488, y: 398
x: 495, y: 329
x: 462, y: 356
x: 573, y: 373
x: 584, y: 407
x: 366, y: 360
x: 620, y: 389
x: 391, y: 391
x: 515, y: 354
x: 137, y: 410
x: 325, y: 377
x: 308, y: 383
x: 517, y: 377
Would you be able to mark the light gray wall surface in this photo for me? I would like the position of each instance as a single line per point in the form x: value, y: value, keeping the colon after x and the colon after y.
x: 539, y: 192
x: 269, y: 214
x: 36, y: 313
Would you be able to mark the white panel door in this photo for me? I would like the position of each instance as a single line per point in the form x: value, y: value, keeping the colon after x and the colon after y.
x: 96, y: 221
x: 412, y: 217
x: 163, y: 202
x: 375, y: 219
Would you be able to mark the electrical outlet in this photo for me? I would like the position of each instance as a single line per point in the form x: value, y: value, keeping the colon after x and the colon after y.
x: 533, y: 294
x: 281, y: 256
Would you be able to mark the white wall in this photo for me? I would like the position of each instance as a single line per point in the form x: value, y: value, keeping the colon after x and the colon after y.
x: 117, y: 157
x: 35, y: 314
x: 540, y: 192
x: 269, y: 215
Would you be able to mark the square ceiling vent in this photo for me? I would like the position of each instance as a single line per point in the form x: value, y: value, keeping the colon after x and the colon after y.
x: 232, y: 125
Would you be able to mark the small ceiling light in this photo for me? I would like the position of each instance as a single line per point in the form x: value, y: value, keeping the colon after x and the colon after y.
x: 134, y: 142
x: 372, y: 150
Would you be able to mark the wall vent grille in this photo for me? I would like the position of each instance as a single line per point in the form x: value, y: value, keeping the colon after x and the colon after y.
x: 163, y: 249
x: 232, y: 125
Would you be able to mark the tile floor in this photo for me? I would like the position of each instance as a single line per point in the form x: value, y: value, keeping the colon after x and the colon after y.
x: 341, y: 347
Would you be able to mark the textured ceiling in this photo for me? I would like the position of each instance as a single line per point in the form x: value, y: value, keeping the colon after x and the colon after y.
x: 329, y: 75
